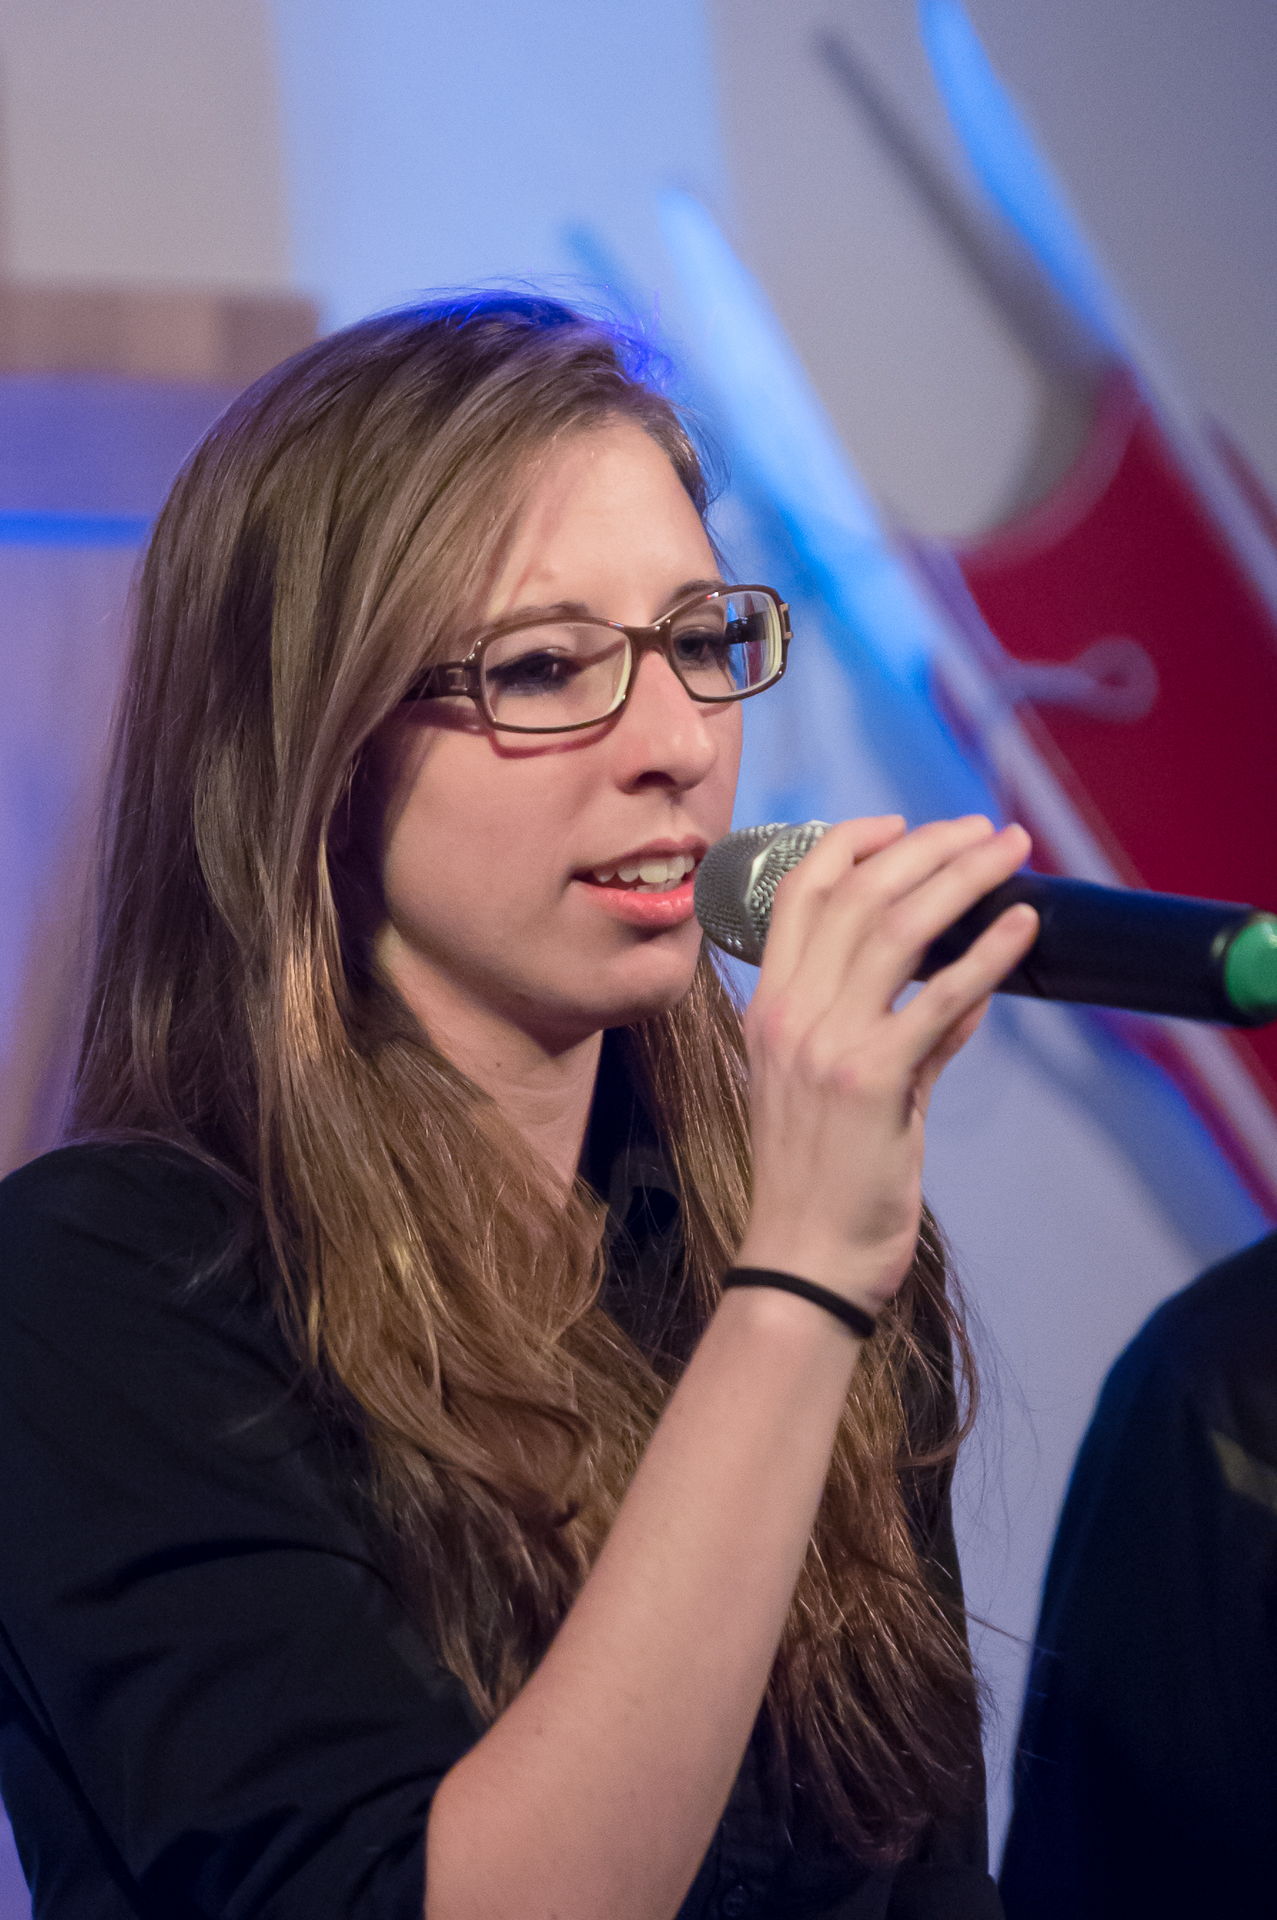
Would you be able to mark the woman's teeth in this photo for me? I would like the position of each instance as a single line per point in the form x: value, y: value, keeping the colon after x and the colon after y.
x: 647, y: 876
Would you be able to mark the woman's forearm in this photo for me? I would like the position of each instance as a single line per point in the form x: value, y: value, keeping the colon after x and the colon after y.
x: 598, y: 1790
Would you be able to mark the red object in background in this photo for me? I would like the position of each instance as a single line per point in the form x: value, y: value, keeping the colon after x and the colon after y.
x: 1184, y: 799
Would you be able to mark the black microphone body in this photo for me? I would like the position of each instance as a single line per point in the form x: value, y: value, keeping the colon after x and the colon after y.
x: 1110, y: 947
x: 1102, y: 946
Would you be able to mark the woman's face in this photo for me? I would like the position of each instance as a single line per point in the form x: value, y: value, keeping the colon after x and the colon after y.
x: 492, y: 841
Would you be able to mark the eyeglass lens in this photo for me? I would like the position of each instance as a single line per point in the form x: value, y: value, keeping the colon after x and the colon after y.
x: 566, y: 674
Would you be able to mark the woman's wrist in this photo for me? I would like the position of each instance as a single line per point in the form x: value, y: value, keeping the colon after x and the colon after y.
x: 866, y: 1280
x: 856, y: 1320
x: 792, y: 1341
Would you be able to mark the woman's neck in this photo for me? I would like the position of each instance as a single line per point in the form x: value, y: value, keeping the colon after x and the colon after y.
x: 543, y: 1091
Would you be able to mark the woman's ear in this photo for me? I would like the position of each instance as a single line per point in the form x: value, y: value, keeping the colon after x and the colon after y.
x: 356, y: 837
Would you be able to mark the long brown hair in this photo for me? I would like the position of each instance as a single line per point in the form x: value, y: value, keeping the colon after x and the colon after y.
x: 324, y: 542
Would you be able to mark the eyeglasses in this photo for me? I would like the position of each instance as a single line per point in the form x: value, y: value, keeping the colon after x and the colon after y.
x: 533, y: 674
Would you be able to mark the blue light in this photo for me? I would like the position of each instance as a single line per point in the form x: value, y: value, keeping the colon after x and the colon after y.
x: 1013, y: 172
x: 72, y: 530
x: 781, y: 443
x: 776, y: 420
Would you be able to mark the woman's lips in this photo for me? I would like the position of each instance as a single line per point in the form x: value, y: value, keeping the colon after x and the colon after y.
x: 668, y: 908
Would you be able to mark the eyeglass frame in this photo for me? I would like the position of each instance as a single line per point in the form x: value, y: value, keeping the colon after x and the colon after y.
x: 464, y: 678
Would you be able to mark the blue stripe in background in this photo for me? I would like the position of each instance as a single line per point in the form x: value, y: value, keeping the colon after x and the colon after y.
x: 72, y: 530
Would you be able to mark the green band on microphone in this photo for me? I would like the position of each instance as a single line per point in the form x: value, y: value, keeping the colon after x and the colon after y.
x: 1250, y: 968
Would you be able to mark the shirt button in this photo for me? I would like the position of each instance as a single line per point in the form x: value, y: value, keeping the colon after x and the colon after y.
x: 734, y: 1903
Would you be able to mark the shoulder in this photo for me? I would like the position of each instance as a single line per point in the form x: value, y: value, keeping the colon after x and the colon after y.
x: 148, y: 1196
x: 98, y: 1237
x: 1232, y: 1303
x: 135, y: 1315
x: 1205, y: 1342
x: 1190, y: 1398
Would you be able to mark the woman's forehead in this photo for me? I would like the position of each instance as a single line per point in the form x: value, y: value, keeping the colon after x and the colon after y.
x: 605, y: 514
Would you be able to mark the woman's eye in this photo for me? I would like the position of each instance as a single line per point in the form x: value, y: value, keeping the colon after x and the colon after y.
x: 702, y: 646
x: 536, y: 672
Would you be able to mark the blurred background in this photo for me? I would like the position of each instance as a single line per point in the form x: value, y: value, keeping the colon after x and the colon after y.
x: 977, y: 307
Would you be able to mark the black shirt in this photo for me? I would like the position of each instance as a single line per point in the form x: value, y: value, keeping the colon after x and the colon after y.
x: 1146, y: 1779
x: 211, y: 1701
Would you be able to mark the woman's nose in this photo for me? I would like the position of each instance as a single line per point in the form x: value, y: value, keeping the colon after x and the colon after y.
x: 663, y: 733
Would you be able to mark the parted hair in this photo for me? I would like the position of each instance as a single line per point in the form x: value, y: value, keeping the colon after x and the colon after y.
x: 331, y: 536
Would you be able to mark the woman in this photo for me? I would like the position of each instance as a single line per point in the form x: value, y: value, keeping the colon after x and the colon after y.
x: 406, y: 1508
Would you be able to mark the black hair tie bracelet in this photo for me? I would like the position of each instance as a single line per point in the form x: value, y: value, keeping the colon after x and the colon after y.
x: 856, y: 1318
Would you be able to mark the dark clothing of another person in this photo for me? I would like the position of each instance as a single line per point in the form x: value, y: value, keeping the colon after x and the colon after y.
x: 1146, y: 1779
x: 211, y: 1700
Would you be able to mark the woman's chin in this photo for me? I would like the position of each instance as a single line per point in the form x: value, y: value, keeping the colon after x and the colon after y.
x: 648, y: 986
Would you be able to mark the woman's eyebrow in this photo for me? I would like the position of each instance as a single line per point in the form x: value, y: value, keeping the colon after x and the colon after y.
x: 578, y: 610
x: 689, y: 587
x: 555, y: 610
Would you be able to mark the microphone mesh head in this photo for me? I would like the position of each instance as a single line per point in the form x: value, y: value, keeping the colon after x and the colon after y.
x: 738, y: 879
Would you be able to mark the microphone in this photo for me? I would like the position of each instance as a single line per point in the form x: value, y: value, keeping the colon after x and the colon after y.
x: 1102, y: 946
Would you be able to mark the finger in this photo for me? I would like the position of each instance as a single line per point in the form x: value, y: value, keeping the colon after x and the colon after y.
x: 904, y: 1054
x: 928, y: 1020
x: 801, y: 894
x: 892, y: 949
x: 866, y: 942
x: 822, y: 907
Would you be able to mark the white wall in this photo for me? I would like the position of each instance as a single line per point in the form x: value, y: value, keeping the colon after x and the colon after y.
x: 434, y: 145
x: 140, y: 143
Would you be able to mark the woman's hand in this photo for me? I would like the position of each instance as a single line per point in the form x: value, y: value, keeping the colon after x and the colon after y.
x: 840, y: 1077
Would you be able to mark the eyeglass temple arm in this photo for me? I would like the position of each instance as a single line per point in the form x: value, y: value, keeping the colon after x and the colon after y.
x: 436, y: 683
